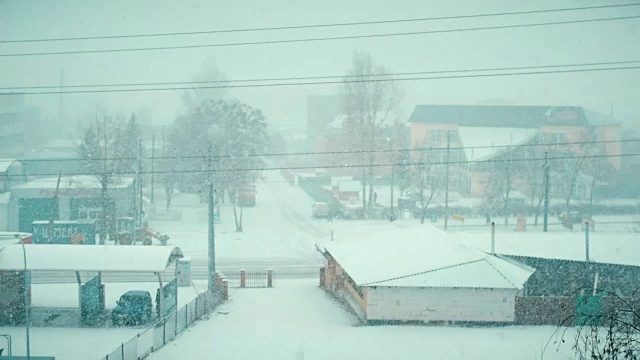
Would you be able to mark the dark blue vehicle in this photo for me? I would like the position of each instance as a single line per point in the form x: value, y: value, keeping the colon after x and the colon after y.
x: 133, y: 308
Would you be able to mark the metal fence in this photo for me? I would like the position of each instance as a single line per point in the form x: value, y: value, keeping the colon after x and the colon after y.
x: 165, y: 330
x: 250, y: 279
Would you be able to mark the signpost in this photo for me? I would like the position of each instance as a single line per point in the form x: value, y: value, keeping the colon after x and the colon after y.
x: 65, y: 232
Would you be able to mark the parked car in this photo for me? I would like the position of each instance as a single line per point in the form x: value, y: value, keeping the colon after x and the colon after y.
x: 133, y: 308
x: 573, y: 217
x: 320, y: 210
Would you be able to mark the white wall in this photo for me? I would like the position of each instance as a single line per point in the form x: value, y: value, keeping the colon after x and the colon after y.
x: 441, y: 304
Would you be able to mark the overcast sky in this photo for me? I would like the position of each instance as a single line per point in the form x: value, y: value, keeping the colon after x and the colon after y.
x: 562, y: 44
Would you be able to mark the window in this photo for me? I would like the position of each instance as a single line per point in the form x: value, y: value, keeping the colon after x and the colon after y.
x: 556, y: 138
x: 436, y: 135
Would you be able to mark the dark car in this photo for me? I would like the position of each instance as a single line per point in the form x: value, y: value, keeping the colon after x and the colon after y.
x: 133, y: 308
x: 573, y: 217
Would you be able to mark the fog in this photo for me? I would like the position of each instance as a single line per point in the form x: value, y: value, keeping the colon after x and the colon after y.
x: 560, y: 44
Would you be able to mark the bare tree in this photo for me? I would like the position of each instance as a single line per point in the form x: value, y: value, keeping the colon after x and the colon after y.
x: 531, y: 177
x: 238, y: 134
x: 368, y: 104
x: 610, y: 334
x: 598, y: 168
x: 109, y: 150
x: 568, y: 166
x: 207, y: 75
x: 501, y: 183
x: 427, y: 177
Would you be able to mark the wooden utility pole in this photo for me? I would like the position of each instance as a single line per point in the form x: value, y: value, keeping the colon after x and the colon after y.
x: 546, y: 193
x: 153, y: 154
x: 55, y: 208
x: 140, y: 183
x: 446, y: 183
x: 211, y: 248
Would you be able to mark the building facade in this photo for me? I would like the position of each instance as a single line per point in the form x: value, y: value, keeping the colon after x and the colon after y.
x: 477, y: 134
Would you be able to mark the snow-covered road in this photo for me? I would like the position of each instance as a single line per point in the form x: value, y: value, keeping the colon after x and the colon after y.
x: 279, y: 227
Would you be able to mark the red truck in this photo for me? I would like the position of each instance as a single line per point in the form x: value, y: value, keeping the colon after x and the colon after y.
x: 247, y: 196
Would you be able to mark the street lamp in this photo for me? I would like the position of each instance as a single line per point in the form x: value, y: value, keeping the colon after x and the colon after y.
x: 392, y: 215
x: 25, y: 294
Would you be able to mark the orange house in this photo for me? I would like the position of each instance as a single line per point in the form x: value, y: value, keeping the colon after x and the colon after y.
x: 478, y: 133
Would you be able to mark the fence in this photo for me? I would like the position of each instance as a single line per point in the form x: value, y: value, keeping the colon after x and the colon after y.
x: 165, y: 330
x: 557, y: 310
x: 250, y: 279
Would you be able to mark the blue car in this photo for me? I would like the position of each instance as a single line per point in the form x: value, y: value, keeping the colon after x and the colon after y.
x: 133, y: 308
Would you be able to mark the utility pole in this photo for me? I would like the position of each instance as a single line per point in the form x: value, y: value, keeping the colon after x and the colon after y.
x: 61, y: 115
x: 140, y: 182
x: 446, y: 183
x: 586, y: 240
x: 153, y: 154
x: 392, y: 216
x: 212, y: 248
x: 25, y: 294
x: 546, y: 192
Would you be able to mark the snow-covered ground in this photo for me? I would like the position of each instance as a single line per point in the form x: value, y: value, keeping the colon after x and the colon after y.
x: 297, y: 320
x: 67, y: 343
x: 281, y: 225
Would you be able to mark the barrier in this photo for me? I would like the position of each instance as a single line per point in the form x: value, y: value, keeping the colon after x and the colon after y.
x: 130, y: 349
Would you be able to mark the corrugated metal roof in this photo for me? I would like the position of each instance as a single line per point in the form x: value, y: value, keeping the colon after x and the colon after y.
x: 420, y: 256
x: 107, y: 258
x: 482, y: 143
x: 6, y: 163
x: 73, y: 182
x: 510, y: 116
x: 598, y: 119
x: 614, y: 248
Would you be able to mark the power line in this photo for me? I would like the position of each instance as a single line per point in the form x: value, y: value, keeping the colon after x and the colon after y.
x: 323, y: 77
x: 428, y: 149
x: 324, y: 82
x: 346, y: 166
x: 317, y: 39
x: 314, y: 26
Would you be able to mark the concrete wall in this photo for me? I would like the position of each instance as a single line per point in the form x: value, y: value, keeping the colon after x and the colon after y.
x: 441, y: 304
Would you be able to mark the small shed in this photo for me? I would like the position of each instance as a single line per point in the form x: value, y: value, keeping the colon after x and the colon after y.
x: 79, y: 197
x: 421, y: 274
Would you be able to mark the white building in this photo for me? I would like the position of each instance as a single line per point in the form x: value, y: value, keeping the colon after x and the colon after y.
x: 421, y: 274
x: 79, y: 197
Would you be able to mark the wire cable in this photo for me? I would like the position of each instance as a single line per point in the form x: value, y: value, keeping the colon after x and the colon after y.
x: 284, y: 84
x: 347, y: 152
x: 314, y: 26
x: 320, y: 77
x: 330, y: 166
x: 318, y: 39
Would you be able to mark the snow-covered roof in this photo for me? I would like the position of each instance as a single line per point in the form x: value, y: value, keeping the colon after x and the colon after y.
x: 94, y: 258
x: 388, y: 121
x: 63, y: 143
x: 347, y: 185
x: 609, y: 248
x: 421, y: 256
x: 483, y: 143
x: 73, y: 182
x: 6, y: 163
